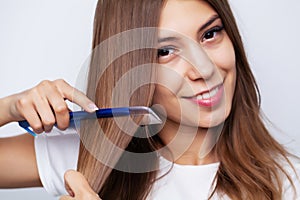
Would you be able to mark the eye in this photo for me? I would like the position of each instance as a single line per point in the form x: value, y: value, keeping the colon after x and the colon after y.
x: 212, y: 33
x: 165, y: 51
x: 165, y: 54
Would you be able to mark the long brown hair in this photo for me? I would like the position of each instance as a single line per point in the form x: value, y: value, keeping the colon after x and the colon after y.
x: 250, y: 159
x: 113, y: 17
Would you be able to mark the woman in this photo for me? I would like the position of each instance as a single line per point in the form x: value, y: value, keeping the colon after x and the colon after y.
x: 209, y: 96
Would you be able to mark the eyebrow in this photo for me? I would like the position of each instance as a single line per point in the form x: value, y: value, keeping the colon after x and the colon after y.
x: 168, y: 39
x: 209, y: 22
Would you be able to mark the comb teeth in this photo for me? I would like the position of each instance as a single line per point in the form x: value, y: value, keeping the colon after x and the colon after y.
x: 150, y: 117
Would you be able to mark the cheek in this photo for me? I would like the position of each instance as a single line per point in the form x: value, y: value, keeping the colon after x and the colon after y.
x: 168, y: 79
x: 168, y: 100
x: 224, y: 56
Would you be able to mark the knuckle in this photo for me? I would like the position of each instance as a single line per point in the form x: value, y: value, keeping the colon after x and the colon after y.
x: 60, y: 109
x: 62, y: 126
x: 43, y: 86
x: 48, y: 129
x: 35, y: 92
x: 60, y: 82
x: 37, y: 128
x: 45, y: 83
x: 23, y: 102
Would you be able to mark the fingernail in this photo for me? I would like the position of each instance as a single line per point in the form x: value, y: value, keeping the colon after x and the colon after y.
x: 92, y: 107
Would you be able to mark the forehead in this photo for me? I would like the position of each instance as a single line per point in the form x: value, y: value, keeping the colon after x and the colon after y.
x: 185, y: 16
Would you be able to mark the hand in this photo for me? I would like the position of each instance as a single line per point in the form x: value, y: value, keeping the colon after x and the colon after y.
x: 78, y: 187
x: 44, y: 105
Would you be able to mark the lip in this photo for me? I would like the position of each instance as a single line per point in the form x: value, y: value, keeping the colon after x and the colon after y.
x: 211, y: 101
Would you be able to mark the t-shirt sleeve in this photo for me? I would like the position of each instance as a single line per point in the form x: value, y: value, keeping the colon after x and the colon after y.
x: 56, y: 152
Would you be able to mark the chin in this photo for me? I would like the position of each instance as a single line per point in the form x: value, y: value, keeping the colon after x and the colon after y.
x: 216, y: 119
x: 207, y: 120
x: 211, y: 124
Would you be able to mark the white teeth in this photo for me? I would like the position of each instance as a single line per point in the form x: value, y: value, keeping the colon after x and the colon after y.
x: 208, y: 95
x: 199, y: 97
x: 213, y: 92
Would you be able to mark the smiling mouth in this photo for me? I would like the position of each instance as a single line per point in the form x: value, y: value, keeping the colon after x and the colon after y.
x: 208, y: 98
x: 208, y: 94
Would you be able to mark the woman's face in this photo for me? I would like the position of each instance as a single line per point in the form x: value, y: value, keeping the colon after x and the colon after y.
x: 197, y: 74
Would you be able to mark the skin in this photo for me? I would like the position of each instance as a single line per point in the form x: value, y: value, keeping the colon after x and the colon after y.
x: 78, y: 187
x: 219, y: 68
x: 41, y: 106
x: 44, y: 105
x: 42, y: 110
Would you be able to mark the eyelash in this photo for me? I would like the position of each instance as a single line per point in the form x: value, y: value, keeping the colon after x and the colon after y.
x: 170, y: 50
x: 212, y: 31
x: 162, y: 51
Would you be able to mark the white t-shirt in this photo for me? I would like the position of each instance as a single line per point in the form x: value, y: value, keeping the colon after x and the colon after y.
x: 56, y: 152
x: 184, y: 182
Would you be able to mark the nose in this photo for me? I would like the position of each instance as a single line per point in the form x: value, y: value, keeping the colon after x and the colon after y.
x: 200, y: 65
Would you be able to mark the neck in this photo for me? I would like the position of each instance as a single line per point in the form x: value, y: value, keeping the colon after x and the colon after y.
x: 189, y: 145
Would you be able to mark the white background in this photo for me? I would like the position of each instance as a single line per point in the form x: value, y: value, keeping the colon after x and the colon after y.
x: 51, y: 39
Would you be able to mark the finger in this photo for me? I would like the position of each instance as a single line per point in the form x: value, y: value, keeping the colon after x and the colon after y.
x: 76, y: 96
x: 30, y: 114
x: 79, y: 186
x: 51, y: 106
x: 60, y: 109
x: 45, y: 112
x: 66, y: 197
x: 76, y: 182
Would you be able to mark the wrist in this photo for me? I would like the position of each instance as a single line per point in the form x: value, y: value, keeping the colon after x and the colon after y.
x: 5, y: 110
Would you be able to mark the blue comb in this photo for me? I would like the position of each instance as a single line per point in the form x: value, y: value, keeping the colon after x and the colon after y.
x: 149, y: 116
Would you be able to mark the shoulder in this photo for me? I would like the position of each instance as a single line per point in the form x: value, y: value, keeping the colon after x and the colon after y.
x: 56, y: 152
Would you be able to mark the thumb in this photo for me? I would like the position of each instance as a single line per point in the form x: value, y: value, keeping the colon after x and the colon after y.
x: 78, y: 187
x: 66, y: 197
